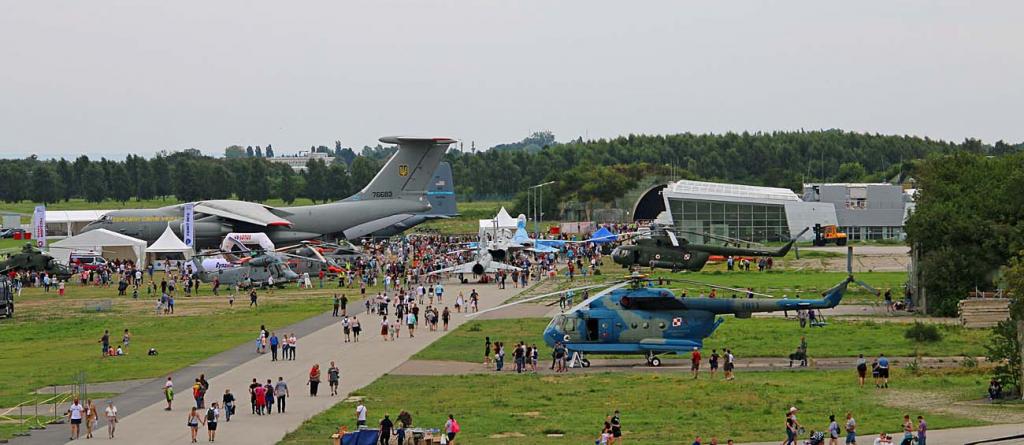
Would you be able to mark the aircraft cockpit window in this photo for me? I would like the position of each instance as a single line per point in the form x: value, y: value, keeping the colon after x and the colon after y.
x: 646, y: 325
x: 633, y: 325
x: 661, y: 325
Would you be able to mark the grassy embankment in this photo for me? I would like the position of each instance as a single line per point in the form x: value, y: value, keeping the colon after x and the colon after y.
x: 656, y: 408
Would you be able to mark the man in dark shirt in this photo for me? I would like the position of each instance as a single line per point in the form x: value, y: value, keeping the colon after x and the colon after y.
x: 252, y: 394
x: 385, y: 430
x: 616, y: 427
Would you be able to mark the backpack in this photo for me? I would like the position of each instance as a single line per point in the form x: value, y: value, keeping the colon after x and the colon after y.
x: 455, y: 426
x: 210, y: 416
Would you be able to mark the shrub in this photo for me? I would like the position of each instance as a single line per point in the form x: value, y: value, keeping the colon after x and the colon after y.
x: 924, y: 333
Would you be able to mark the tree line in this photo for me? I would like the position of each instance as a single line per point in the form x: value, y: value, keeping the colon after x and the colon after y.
x: 186, y: 176
x: 586, y: 171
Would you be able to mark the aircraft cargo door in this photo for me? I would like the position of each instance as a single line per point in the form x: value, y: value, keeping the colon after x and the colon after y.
x: 600, y: 329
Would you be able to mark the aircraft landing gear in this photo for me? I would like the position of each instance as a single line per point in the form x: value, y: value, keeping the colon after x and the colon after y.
x: 579, y: 360
x: 653, y: 360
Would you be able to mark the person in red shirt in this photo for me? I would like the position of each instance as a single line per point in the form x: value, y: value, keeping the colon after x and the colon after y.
x: 695, y: 361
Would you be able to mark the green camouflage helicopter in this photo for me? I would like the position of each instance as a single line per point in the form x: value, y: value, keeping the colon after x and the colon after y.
x: 662, y: 249
x: 31, y: 259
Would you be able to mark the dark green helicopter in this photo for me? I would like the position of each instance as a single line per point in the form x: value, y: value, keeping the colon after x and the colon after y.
x: 662, y: 249
x: 31, y: 259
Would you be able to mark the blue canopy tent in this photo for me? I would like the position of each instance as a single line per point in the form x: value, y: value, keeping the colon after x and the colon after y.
x: 603, y: 236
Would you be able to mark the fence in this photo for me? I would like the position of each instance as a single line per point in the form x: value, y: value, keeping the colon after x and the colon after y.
x: 36, y: 413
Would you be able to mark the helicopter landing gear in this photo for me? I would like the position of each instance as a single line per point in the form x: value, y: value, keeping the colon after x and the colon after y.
x: 653, y: 360
x: 579, y: 360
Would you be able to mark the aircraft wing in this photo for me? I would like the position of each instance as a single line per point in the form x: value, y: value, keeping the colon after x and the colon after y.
x: 249, y: 212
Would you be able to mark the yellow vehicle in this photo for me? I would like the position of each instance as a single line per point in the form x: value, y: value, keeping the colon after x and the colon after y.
x: 823, y: 235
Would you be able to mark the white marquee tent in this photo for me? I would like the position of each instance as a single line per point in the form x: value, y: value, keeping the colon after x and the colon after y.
x: 501, y: 226
x: 109, y: 245
x: 168, y: 243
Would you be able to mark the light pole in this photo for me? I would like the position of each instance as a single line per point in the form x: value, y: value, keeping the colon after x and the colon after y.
x: 540, y: 204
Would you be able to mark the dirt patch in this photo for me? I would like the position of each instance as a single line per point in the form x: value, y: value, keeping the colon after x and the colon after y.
x: 528, y: 414
x: 947, y: 403
x: 506, y: 435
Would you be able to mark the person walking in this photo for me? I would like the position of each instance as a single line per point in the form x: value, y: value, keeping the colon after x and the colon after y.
x: 695, y: 362
x: 616, y: 428
x: 75, y: 413
x: 451, y: 428
x: 883, y: 370
x: 333, y: 377
x: 337, y: 304
x: 229, y: 405
x: 168, y: 392
x: 212, y: 416
x: 259, y: 393
x: 268, y: 394
x: 360, y: 415
x: 851, y: 429
x: 922, y: 430
x: 730, y: 364
x: 314, y: 379
x: 833, y: 430
x: 346, y: 328
x: 111, y: 414
x: 792, y: 427
x: 274, y: 342
x: 386, y: 427
x: 193, y: 422
x: 343, y: 302
x: 92, y: 418
x: 862, y: 369
x: 281, y: 391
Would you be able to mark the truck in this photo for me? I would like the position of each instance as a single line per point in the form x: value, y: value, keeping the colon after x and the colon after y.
x: 823, y: 235
x: 6, y: 298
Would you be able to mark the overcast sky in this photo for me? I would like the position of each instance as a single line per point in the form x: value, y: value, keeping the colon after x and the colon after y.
x: 118, y: 77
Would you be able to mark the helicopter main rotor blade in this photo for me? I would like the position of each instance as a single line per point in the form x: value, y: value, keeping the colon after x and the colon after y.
x: 534, y: 298
x: 722, y: 287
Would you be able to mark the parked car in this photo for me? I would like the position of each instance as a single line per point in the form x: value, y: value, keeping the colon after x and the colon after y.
x: 9, y: 232
x: 89, y: 261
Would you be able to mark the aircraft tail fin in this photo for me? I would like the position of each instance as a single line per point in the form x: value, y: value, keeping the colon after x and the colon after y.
x: 408, y: 172
x: 441, y: 193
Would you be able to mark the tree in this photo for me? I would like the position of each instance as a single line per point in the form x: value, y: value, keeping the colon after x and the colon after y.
x: 161, y: 174
x: 316, y: 187
x: 338, y: 182
x: 96, y: 191
x: 248, y: 152
x: 1004, y: 348
x: 45, y: 185
x: 259, y: 153
x: 121, y: 191
x: 259, y: 179
x: 363, y: 169
x: 187, y: 181
x: 850, y: 172
x: 270, y: 151
x: 288, y: 186
x: 234, y: 152
x: 12, y: 181
x: 66, y: 175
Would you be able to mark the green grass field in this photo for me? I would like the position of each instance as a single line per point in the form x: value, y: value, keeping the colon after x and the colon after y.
x: 656, y: 408
x: 744, y: 337
x: 51, y: 338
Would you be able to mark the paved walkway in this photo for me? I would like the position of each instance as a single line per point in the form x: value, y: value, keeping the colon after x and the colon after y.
x: 320, y: 340
x: 953, y: 436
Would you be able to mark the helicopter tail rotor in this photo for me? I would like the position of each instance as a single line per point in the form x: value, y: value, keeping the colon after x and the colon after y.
x: 849, y: 272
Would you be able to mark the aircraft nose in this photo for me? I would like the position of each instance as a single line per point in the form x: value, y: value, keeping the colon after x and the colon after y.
x: 552, y: 335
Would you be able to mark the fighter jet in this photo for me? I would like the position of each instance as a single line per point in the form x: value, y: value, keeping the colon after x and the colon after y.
x: 399, y: 188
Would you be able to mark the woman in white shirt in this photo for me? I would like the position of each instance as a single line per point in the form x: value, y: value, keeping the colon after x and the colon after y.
x: 74, y: 413
x: 111, y: 413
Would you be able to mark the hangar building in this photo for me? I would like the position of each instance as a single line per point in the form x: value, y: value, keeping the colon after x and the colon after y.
x: 769, y: 214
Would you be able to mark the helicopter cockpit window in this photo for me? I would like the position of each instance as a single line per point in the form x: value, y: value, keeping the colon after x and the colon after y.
x: 661, y: 325
x: 633, y: 325
x: 646, y: 325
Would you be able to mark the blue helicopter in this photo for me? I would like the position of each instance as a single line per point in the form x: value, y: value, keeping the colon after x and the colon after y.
x: 634, y: 317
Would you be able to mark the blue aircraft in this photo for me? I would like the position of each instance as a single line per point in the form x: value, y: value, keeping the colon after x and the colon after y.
x: 634, y: 317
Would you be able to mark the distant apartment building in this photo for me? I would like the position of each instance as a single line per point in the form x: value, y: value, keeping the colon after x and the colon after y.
x: 298, y: 162
x: 865, y: 211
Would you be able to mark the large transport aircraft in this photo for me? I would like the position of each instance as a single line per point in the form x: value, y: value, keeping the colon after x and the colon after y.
x: 399, y: 188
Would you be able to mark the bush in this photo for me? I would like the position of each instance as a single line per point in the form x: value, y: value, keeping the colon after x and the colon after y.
x: 924, y: 333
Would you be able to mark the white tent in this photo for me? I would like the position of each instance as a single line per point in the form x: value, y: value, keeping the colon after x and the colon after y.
x: 168, y: 243
x: 503, y: 219
x: 108, y: 244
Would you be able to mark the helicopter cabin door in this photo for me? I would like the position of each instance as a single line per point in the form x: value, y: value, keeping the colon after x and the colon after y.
x: 599, y: 329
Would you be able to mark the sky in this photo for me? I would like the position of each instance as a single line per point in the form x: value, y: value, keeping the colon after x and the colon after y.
x: 119, y: 77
